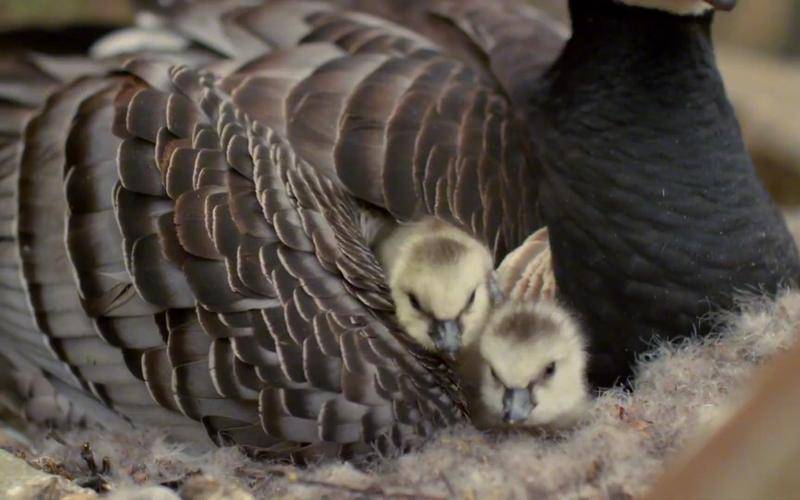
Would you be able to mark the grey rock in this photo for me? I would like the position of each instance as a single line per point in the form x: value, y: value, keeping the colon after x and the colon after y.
x: 18, y: 480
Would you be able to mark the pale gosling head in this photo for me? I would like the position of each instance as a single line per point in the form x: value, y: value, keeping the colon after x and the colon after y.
x: 533, y: 367
x: 440, y: 282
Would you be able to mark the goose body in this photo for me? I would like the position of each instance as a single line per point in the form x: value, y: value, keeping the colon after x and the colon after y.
x: 181, y: 233
x: 207, y: 274
x: 184, y: 241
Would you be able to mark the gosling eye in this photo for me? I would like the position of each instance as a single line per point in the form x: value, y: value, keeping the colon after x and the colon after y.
x: 549, y: 370
x: 494, y: 375
x: 471, y: 299
x: 414, y: 302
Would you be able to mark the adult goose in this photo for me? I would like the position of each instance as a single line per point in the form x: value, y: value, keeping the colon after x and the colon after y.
x: 210, y: 272
x: 626, y: 146
x: 181, y: 245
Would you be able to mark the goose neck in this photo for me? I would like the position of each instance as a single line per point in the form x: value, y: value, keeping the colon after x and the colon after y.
x: 639, y: 89
x: 666, y: 49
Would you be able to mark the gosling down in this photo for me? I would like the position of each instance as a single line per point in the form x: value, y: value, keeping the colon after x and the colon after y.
x: 521, y: 356
x: 528, y: 367
x: 439, y: 278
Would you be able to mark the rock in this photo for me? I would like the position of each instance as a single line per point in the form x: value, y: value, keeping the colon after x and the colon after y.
x: 18, y: 480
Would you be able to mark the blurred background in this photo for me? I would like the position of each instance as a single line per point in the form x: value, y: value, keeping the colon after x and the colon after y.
x: 758, y: 45
x: 55, y: 12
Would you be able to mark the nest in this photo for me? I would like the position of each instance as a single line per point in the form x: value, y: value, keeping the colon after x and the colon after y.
x: 682, y: 392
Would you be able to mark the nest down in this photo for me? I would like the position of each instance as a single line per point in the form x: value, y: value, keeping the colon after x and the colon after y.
x: 682, y: 392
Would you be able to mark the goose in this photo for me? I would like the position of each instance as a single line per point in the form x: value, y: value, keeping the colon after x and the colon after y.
x: 643, y: 178
x: 646, y: 236
x: 177, y: 301
x: 440, y: 279
x: 174, y: 253
x: 211, y: 275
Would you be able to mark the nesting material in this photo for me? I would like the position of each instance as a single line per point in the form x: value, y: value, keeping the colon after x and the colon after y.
x: 682, y: 392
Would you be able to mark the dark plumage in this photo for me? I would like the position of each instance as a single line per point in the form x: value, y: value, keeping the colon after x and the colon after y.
x: 76, y: 39
x: 211, y: 271
x: 655, y: 213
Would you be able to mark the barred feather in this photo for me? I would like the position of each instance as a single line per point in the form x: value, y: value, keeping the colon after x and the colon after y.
x: 188, y: 243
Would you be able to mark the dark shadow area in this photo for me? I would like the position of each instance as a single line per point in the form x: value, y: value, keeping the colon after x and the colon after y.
x: 73, y: 39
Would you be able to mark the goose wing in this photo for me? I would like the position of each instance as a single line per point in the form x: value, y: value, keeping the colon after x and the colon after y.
x: 298, y: 353
x: 211, y: 273
x: 509, y: 40
x: 205, y: 275
x: 416, y: 118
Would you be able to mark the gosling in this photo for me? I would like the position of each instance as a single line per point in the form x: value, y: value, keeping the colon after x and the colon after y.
x: 532, y: 368
x: 440, y: 280
x: 528, y: 367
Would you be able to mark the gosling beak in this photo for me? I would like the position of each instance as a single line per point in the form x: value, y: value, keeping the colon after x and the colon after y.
x: 447, y: 337
x: 722, y: 4
x: 517, y: 405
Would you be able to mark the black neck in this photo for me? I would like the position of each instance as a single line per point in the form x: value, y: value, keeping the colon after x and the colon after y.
x: 585, y: 12
x: 608, y: 36
x: 637, y: 93
x: 654, y: 208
